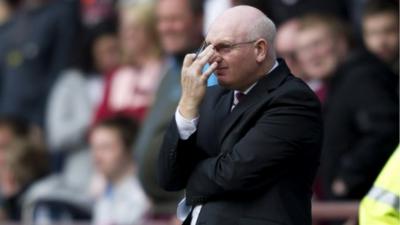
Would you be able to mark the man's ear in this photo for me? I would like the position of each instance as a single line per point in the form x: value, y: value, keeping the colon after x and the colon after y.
x: 261, y: 50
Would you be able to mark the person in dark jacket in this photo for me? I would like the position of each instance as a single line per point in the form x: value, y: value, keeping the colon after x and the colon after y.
x: 246, y: 151
x: 35, y: 45
x: 381, y: 30
x: 360, y: 107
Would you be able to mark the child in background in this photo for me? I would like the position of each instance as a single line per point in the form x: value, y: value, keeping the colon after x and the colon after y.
x: 24, y: 163
x: 122, y: 200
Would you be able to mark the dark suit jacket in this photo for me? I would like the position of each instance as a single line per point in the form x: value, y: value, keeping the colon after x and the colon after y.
x: 254, y: 165
x: 361, y: 116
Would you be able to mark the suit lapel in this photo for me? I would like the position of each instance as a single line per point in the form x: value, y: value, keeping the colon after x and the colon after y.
x: 257, y: 95
x: 223, y: 107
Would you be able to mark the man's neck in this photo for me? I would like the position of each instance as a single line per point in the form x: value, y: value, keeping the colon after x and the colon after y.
x: 263, y: 71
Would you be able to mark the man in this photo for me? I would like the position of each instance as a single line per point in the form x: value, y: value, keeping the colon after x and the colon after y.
x: 285, y: 45
x: 381, y: 30
x: 179, y: 25
x: 360, y: 107
x: 246, y: 151
x: 322, y: 43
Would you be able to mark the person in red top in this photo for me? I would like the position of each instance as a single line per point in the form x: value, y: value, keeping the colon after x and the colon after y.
x: 129, y: 90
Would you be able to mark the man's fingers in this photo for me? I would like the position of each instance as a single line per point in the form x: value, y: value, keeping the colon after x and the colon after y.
x: 209, y: 71
x: 201, y: 54
x: 189, y: 58
x: 202, y: 61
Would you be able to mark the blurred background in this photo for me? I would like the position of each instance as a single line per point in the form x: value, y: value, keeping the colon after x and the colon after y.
x: 88, y: 87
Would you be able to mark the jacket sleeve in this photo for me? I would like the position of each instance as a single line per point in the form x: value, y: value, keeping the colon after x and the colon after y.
x: 282, y: 137
x: 373, y: 116
x: 177, y: 159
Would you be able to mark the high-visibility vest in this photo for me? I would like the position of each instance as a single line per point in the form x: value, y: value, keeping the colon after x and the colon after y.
x: 381, y: 206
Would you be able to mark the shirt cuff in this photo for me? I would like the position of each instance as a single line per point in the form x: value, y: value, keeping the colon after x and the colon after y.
x: 185, y: 127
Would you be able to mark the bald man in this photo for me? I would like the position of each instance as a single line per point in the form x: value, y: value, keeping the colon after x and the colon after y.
x: 245, y: 151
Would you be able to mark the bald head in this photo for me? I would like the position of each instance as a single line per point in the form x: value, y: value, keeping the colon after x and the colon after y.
x: 242, y: 38
x: 246, y: 23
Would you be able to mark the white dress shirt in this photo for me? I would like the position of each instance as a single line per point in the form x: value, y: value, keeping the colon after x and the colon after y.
x: 186, y: 128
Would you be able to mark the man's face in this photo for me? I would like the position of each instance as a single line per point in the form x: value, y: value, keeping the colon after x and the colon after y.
x: 107, y: 151
x: 236, y: 63
x: 178, y: 28
x: 381, y: 35
x: 316, y: 52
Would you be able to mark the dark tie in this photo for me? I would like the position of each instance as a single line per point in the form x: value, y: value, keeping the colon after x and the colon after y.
x: 240, y: 96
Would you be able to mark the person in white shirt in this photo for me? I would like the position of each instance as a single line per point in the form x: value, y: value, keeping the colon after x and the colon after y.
x: 122, y: 200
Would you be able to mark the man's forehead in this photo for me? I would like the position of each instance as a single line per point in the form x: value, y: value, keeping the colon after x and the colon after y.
x: 225, y: 33
x: 219, y: 39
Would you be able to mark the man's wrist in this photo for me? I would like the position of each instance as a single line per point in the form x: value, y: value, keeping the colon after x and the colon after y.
x: 188, y: 111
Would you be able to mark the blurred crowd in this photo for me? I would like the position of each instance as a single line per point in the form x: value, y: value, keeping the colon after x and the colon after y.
x: 88, y: 87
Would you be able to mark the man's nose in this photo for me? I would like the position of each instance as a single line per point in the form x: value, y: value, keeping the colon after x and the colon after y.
x: 215, y: 58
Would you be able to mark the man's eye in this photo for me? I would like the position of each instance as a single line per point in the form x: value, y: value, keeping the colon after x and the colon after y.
x: 222, y: 47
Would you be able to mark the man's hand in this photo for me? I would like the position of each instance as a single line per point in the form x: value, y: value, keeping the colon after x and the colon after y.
x: 194, y: 82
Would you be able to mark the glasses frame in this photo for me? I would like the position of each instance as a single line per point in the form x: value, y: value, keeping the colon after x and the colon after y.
x: 229, y: 46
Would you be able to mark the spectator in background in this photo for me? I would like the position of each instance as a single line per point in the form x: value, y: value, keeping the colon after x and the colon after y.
x: 282, y: 10
x: 180, y: 24
x: 285, y: 45
x: 95, y: 12
x: 381, y: 30
x: 71, y: 105
x: 34, y: 48
x: 78, y: 91
x: 320, y: 48
x: 5, y: 11
x: 123, y: 200
x: 24, y: 163
x: 65, y: 196
x: 361, y: 108
x: 130, y: 89
x: 10, y: 130
x: 13, y: 128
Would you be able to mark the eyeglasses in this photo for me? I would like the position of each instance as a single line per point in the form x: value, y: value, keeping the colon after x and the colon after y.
x: 222, y: 48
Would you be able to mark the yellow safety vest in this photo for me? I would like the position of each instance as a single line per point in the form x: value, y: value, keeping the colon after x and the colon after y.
x: 381, y: 206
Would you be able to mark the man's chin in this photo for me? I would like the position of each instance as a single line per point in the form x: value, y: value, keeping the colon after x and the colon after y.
x: 224, y: 83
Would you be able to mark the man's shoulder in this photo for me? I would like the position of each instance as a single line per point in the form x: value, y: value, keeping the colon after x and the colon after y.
x: 295, y: 88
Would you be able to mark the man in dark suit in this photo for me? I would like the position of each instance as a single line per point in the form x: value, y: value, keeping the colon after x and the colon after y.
x: 246, y: 151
